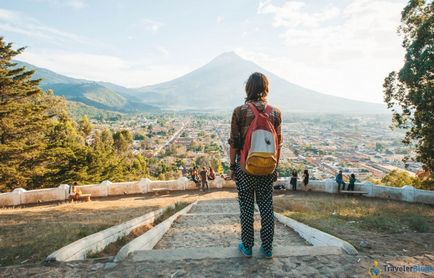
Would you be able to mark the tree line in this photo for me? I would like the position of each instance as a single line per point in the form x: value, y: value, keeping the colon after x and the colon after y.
x: 42, y: 146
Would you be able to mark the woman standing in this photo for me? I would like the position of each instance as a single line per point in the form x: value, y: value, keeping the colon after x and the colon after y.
x: 250, y: 186
x: 305, y: 179
x: 352, y: 182
x: 293, y: 180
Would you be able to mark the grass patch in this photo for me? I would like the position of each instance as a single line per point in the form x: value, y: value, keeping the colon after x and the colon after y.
x: 170, y: 211
x: 418, y: 224
x: 114, y: 247
x: 328, y: 212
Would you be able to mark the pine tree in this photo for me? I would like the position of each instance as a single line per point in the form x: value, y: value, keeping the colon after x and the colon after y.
x: 85, y: 126
x: 66, y: 154
x: 25, y: 118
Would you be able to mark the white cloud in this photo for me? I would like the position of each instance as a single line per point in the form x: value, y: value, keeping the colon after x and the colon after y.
x: 15, y: 22
x: 8, y: 15
x: 163, y: 51
x: 149, y: 25
x: 103, y: 67
x: 345, y: 51
x: 220, y: 19
x: 293, y: 14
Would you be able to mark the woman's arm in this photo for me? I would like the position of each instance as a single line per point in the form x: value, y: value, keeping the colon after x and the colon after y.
x: 234, y: 141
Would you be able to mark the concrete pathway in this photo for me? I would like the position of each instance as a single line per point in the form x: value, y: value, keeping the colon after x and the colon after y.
x: 217, y: 224
x: 211, y: 230
x: 203, y: 243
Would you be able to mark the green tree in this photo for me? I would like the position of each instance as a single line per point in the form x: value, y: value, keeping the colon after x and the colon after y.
x: 102, y: 156
x: 399, y: 178
x: 27, y: 115
x: 409, y: 92
x: 85, y: 126
x: 216, y: 164
x: 122, y: 140
x: 66, y: 153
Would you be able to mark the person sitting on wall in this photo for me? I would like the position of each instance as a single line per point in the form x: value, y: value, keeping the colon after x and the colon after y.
x: 340, y: 181
x: 76, y: 192
x: 211, y: 175
x: 195, y: 176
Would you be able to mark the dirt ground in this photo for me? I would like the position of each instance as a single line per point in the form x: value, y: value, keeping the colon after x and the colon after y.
x: 386, y: 228
x: 30, y: 234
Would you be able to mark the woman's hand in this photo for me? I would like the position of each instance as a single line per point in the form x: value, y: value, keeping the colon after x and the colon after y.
x: 233, y: 176
x: 276, y: 175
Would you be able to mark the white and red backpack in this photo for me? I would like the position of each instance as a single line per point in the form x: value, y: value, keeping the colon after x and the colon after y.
x: 260, y: 153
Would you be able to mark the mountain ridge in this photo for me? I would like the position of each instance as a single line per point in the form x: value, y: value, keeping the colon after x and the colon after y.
x: 88, y: 92
x: 217, y: 85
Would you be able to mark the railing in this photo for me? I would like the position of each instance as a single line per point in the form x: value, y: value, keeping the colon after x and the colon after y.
x: 61, y: 193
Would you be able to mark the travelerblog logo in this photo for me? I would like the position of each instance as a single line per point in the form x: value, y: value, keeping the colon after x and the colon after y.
x: 375, y: 270
x: 408, y: 268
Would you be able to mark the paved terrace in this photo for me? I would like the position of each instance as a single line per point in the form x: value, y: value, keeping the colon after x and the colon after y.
x: 204, y: 242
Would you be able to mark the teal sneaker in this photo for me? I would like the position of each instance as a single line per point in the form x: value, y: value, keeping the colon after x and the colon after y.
x: 267, y: 255
x: 247, y: 252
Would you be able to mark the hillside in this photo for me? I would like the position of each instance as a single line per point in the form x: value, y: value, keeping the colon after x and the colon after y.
x: 88, y: 92
x: 79, y: 109
x: 220, y: 85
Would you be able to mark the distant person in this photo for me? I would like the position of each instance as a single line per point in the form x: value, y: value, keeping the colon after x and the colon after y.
x: 211, y: 175
x: 340, y: 181
x: 305, y: 179
x: 76, y: 192
x: 293, y: 180
x: 72, y: 188
x: 204, y: 179
x: 250, y: 181
x: 184, y: 171
x: 195, y: 176
x: 352, y: 182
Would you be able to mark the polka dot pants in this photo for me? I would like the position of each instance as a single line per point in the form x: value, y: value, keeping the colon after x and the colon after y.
x: 262, y: 187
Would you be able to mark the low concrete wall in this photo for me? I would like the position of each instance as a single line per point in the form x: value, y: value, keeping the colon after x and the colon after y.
x: 80, y: 249
x: 149, y: 239
x: 406, y: 193
x: 21, y: 197
x: 315, y: 236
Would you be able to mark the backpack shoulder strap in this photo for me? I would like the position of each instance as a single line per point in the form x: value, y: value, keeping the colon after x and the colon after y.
x: 268, y: 110
x: 253, y: 108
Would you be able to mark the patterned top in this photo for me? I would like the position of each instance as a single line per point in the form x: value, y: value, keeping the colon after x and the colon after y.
x: 243, y: 116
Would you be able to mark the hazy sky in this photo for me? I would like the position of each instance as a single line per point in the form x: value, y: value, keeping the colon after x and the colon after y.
x: 341, y: 47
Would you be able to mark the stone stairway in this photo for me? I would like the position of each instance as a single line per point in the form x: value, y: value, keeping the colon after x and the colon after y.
x: 211, y: 229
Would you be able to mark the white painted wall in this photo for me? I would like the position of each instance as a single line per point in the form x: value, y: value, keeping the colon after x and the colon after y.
x: 20, y: 196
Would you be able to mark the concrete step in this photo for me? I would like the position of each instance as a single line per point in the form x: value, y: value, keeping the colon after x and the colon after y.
x: 228, y: 252
x: 219, y: 230
x: 216, y: 208
x: 205, y: 214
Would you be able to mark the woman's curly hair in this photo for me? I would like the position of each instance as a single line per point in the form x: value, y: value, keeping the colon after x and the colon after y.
x: 256, y: 87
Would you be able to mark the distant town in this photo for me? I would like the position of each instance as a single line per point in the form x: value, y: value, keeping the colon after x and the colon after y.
x: 323, y: 144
